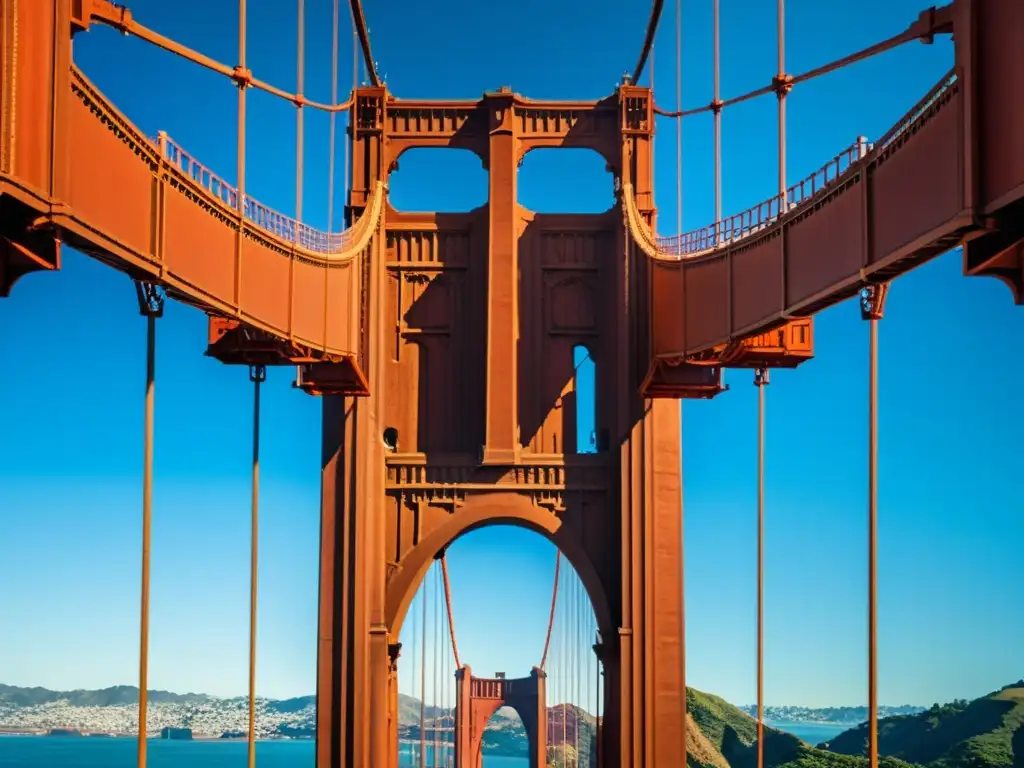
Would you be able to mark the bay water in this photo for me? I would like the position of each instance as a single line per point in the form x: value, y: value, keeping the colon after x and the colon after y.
x: 92, y: 752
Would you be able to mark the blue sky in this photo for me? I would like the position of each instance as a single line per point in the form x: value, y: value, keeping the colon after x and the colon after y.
x: 72, y: 356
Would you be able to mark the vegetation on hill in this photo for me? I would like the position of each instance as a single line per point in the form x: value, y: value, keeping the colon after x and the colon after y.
x: 732, y: 736
x: 117, y: 695
x: 985, y: 733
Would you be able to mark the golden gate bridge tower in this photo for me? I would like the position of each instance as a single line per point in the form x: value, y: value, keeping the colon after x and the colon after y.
x: 442, y: 345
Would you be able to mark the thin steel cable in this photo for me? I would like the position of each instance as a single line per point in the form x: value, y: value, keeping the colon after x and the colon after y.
x: 423, y: 674
x: 783, y: 90
x: 240, y: 151
x: 551, y: 613
x: 650, y: 84
x: 300, y: 69
x: 436, y: 640
x: 147, y: 518
x: 908, y: 35
x: 760, y: 381
x: 564, y: 677
x: 353, y: 115
x: 448, y: 605
x: 577, y: 659
x: 449, y: 720
x: 652, y: 30
x: 597, y: 700
x: 571, y: 643
x: 257, y: 374
x: 120, y: 19
x: 359, y: 21
x: 873, y: 540
x: 717, y: 111
x: 679, y: 123
x: 333, y: 120
x: 413, y: 640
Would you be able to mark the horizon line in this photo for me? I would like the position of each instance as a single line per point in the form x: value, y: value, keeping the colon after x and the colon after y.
x: 411, y: 696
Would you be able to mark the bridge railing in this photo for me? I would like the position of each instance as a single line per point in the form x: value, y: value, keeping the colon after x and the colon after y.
x: 920, y: 112
x: 283, y: 226
x: 766, y: 213
x: 488, y: 689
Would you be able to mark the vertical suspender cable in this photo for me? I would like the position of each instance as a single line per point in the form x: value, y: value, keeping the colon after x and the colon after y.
x: 598, y: 711
x: 300, y: 68
x: 682, y: 501
x: 423, y: 674
x: 578, y: 657
x: 447, y: 720
x: 679, y: 122
x: 782, y: 88
x: 333, y: 121
x: 353, y: 112
x: 150, y: 305
x: 873, y: 547
x: 257, y: 374
x: 435, y: 743
x: 563, y: 678
x: 872, y: 307
x: 760, y: 381
x: 571, y: 643
x: 412, y: 655
x: 241, y: 78
x: 650, y: 84
x: 717, y: 114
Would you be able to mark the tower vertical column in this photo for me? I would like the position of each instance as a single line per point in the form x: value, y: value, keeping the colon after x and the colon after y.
x: 463, y: 737
x: 354, y: 681
x: 501, y: 439
x: 645, y: 674
x: 539, y: 718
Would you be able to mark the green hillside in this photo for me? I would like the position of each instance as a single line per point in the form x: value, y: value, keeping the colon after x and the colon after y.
x: 985, y: 733
x: 117, y: 695
x: 732, y: 733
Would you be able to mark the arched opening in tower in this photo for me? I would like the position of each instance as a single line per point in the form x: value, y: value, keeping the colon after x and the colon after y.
x: 525, y: 631
x: 438, y: 180
x: 503, y: 735
x: 585, y: 390
x: 584, y: 183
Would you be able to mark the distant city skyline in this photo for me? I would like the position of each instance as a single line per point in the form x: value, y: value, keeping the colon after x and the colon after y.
x: 261, y: 697
x: 72, y: 366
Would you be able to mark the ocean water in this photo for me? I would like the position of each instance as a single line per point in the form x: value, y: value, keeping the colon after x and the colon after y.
x: 89, y: 752
x: 812, y: 733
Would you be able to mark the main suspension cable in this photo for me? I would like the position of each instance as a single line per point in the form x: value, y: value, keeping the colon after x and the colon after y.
x: 364, y: 41
x: 551, y: 613
x: 120, y: 18
x: 928, y: 24
x: 652, y: 31
x: 448, y: 604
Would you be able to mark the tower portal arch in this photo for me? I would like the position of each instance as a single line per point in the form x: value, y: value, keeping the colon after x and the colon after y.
x: 478, y: 698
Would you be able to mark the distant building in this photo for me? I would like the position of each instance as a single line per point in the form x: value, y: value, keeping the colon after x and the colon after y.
x: 176, y: 734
